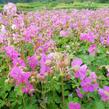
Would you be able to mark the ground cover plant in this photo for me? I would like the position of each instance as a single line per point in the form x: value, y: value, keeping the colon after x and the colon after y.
x: 54, y: 59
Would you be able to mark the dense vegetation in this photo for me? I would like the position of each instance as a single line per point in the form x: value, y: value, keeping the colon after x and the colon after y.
x: 54, y: 59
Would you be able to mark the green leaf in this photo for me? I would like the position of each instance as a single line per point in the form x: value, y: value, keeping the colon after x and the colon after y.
x: 2, y: 103
x: 100, y: 105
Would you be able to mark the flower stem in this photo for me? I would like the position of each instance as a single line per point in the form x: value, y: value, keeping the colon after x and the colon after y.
x: 62, y: 87
x: 43, y: 105
x: 23, y: 102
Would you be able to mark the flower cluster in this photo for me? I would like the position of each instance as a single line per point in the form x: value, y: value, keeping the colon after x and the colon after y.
x: 104, y: 93
x: 88, y: 82
x: 22, y: 78
x: 90, y: 37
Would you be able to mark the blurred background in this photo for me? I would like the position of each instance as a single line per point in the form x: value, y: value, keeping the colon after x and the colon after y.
x: 31, y: 5
x: 64, y: 1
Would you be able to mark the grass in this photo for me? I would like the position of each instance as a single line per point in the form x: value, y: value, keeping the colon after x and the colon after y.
x: 53, y: 5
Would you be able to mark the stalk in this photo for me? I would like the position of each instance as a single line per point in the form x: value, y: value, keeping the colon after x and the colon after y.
x: 62, y: 88
x: 43, y: 105
x: 23, y: 102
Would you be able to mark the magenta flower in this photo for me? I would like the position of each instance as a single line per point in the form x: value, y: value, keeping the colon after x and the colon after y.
x: 102, y: 40
x: 107, y: 74
x: 74, y: 105
x: 2, y: 37
x: 106, y: 21
x: 90, y: 37
x: 33, y: 62
x: 30, y: 32
x: 93, y: 76
x: 22, y: 78
x: 107, y: 41
x: 81, y: 73
x: 28, y: 88
x: 92, y: 49
x: 79, y: 69
x: 89, y: 85
x: 47, y: 45
x: 44, y: 69
x: 18, y: 62
x: 19, y: 22
x: 80, y: 95
x: 19, y: 75
x: 64, y: 33
x: 11, y: 52
x: 76, y: 62
x: 104, y: 93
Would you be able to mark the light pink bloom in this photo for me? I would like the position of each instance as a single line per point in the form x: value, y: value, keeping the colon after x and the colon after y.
x: 81, y: 73
x: 107, y: 74
x: 104, y: 93
x: 10, y: 9
x: 11, y: 52
x: 107, y: 41
x: 76, y: 62
x: 92, y: 49
x: 64, y: 33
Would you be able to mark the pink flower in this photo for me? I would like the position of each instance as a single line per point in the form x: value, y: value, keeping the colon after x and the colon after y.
x: 93, y: 76
x: 44, y: 69
x: 90, y: 37
x: 18, y: 62
x: 92, y: 49
x: 11, y: 52
x: 19, y: 75
x: 74, y: 105
x: 47, y: 45
x: 107, y: 41
x: 81, y: 73
x: 64, y: 33
x: 102, y: 40
x: 107, y: 74
x: 28, y: 88
x: 106, y: 21
x: 79, y: 69
x: 104, y: 93
x: 76, y: 62
x: 19, y: 22
x: 80, y: 95
x: 22, y: 78
x: 33, y: 62
x: 10, y: 9
x: 30, y: 32
x: 2, y: 37
x: 89, y: 85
